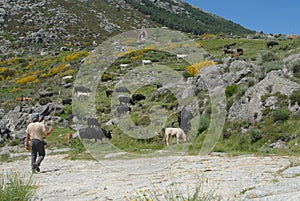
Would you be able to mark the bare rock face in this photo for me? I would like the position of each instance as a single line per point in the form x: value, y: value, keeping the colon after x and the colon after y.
x: 249, y: 107
x: 14, y: 122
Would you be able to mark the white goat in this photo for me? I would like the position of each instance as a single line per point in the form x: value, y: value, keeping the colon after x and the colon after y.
x: 178, y: 132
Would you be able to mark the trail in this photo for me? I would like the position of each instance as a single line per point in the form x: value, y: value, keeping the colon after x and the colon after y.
x: 228, y: 178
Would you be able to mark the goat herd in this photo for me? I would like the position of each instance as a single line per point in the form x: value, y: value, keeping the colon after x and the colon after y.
x: 94, y: 130
x: 239, y: 51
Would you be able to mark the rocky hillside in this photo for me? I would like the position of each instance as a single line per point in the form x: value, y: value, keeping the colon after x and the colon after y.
x: 261, y: 86
x: 44, y: 27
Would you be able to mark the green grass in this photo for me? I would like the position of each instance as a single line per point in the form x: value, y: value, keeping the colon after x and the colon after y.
x: 16, y: 187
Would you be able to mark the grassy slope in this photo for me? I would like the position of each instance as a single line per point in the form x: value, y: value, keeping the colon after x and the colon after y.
x: 10, y: 90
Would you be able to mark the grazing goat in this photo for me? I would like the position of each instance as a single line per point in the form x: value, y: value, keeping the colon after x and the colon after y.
x: 23, y: 99
x: 67, y: 101
x: 178, y: 132
x: 238, y: 53
x: 126, y: 100
x: 271, y: 44
x: 147, y: 62
x: 227, y: 50
x: 96, y: 133
x: 80, y: 90
x: 123, y: 109
x: 123, y: 90
x: 138, y: 97
x: 69, y: 136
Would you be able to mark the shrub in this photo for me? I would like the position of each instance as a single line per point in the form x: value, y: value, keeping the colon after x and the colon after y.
x: 27, y: 79
x: 5, y: 72
x: 281, y: 114
x: 231, y: 90
x: 193, y: 70
x: 270, y: 66
x: 255, y: 134
x: 56, y: 70
x: 267, y: 56
x: 45, y: 100
x: 295, y: 97
x: 295, y: 68
x: 203, y: 123
x: 186, y: 75
x: 106, y: 77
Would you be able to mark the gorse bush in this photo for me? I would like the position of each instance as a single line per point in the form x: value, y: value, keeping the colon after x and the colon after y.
x: 194, y: 69
x: 16, y: 187
x: 27, y: 79
x: 106, y: 77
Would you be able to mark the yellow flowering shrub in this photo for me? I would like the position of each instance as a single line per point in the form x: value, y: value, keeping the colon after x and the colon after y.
x: 9, y: 62
x: 27, y: 79
x: 134, y: 58
x: 45, y: 62
x: 3, y: 69
x: 69, y: 72
x: 28, y: 66
x: 56, y: 70
x: 13, y: 90
x: 148, y: 48
x: 6, y: 73
x: 208, y: 36
x: 43, y: 75
x: 193, y: 70
x: 75, y: 56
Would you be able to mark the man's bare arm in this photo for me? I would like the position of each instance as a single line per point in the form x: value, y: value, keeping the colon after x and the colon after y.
x: 48, y: 131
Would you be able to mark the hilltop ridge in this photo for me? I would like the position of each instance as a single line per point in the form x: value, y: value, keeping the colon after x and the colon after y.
x: 44, y: 27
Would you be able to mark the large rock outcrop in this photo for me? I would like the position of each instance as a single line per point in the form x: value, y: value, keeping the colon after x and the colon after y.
x: 249, y: 108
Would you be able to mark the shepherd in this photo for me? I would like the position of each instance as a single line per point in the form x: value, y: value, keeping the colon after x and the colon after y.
x: 35, y: 132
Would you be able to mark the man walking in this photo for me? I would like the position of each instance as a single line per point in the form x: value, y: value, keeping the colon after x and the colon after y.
x: 35, y: 132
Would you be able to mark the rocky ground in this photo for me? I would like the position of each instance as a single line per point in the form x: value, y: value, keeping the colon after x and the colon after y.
x: 227, y: 178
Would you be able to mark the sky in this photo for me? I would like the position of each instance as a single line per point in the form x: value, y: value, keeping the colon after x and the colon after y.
x: 269, y: 16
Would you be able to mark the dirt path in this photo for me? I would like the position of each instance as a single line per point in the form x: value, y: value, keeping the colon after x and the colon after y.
x: 231, y: 178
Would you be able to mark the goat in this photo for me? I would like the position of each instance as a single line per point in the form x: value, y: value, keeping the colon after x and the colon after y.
x: 178, y: 132
x: 96, y: 133
x: 123, y: 90
x: 138, y: 97
x: 67, y: 101
x: 23, y: 99
x: 69, y: 136
x: 126, y: 100
x: 271, y: 44
x: 81, y: 90
x: 147, y: 62
x: 123, y: 109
